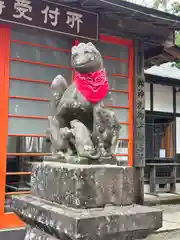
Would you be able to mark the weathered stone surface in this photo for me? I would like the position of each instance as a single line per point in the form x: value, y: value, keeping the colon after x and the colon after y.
x: 117, y: 222
x: 79, y: 125
x: 37, y: 234
x: 83, y: 186
x: 83, y: 161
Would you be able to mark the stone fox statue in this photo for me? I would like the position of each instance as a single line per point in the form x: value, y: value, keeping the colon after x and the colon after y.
x: 82, y: 140
x: 83, y: 101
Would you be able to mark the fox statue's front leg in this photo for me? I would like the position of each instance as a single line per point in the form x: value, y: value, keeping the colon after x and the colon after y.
x: 106, y: 130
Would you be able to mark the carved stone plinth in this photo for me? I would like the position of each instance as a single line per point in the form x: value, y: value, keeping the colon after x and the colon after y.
x: 37, y: 234
x: 83, y: 202
x: 83, y: 186
x: 62, y: 222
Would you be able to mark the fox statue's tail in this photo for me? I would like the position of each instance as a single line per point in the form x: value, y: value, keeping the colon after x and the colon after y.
x: 58, y: 87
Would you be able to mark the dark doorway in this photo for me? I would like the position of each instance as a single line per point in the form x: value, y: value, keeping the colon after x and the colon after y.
x: 160, y: 146
x: 160, y: 136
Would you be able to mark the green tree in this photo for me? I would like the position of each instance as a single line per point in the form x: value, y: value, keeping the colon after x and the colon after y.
x: 178, y: 44
x: 178, y: 39
x: 161, y: 4
x: 174, y: 8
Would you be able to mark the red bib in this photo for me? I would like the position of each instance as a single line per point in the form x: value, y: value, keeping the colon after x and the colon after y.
x: 93, y: 86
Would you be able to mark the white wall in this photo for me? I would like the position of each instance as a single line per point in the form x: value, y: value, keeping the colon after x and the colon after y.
x: 147, y: 96
x: 178, y: 135
x: 162, y: 98
x: 178, y: 102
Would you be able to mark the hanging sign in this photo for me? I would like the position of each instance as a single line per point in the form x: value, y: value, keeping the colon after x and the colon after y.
x: 50, y: 16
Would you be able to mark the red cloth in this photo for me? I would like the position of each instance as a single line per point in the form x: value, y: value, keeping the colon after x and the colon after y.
x: 93, y: 86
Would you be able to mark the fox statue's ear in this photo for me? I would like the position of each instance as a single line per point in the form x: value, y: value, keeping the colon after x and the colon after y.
x: 92, y: 47
x: 90, y: 44
x: 73, y: 49
x: 78, y: 47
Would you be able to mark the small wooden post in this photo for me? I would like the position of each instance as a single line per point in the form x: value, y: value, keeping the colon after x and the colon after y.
x: 139, y: 121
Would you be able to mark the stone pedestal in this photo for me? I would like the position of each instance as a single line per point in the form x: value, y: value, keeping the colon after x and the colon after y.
x: 83, y: 186
x: 84, y: 202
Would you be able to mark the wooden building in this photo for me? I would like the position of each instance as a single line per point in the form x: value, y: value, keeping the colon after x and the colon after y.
x: 35, y: 43
x: 162, y: 104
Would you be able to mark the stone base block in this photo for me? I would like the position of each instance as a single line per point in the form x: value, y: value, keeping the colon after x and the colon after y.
x: 110, y: 222
x: 83, y: 186
x: 37, y: 234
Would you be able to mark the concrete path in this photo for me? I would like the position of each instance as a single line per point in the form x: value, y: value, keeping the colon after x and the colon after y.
x: 171, y: 217
x: 162, y: 198
x: 174, y: 235
x: 171, y: 223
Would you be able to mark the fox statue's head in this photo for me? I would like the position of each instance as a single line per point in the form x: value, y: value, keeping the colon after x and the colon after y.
x: 85, y: 58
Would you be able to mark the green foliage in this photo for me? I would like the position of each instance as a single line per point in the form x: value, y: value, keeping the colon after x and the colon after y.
x: 178, y: 44
x: 160, y: 4
x: 178, y: 39
x: 174, y: 9
x: 163, y: 5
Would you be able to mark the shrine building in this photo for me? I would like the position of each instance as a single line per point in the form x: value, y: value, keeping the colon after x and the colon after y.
x: 36, y: 38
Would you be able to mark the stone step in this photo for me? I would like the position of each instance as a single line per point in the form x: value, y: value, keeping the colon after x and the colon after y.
x: 110, y: 222
x: 37, y: 234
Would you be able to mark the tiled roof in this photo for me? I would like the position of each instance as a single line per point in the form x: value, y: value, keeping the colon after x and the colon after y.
x: 165, y: 70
